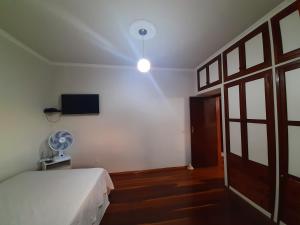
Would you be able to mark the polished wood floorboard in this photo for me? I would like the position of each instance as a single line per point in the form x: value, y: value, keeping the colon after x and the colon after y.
x: 177, y: 197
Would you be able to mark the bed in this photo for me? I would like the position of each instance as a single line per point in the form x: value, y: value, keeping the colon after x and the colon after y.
x: 56, y: 197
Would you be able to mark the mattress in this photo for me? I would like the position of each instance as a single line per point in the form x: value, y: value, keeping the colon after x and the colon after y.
x: 56, y: 197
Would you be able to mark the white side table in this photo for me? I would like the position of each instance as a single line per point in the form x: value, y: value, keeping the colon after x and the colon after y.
x: 57, y: 164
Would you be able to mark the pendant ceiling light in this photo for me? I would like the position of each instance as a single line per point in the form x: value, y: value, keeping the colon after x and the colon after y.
x: 143, y: 65
x: 143, y: 30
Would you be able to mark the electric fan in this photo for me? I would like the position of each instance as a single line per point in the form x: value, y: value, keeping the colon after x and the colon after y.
x: 60, y: 141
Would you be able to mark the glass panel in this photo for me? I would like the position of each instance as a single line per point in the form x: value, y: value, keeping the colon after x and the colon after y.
x: 294, y: 150
x: 202, y: 75
x: 234, y: 102
x: 290, y: 32
x: 235, y: 138
x: 292, y: 79
x: 255, y: 99
x: 233, y: 62
x: 214, y: 72
x: 254, y: 51
x: 258, y: 143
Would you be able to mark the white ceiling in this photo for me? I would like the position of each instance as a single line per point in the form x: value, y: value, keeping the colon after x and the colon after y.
x: 97, y: 31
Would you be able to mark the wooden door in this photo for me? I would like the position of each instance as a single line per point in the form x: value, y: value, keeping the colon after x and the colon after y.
x: 288, y: 83
x: 250, y: 138
x: 204, y: 131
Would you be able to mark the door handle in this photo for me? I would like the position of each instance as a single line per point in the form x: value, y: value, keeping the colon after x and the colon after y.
x: 192, y: 129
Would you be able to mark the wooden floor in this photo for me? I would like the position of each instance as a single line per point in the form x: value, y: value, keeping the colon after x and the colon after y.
x: 177, y: 197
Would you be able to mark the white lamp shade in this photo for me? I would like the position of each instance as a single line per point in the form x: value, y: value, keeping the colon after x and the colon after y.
x: 144, y: 65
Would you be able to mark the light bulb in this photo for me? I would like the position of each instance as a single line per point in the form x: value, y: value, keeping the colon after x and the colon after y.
x: 144, y: 65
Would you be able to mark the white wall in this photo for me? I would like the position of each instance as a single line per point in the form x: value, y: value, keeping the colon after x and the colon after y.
x: 144, y: 119
x: 143, y: 124
x: 24, y: 84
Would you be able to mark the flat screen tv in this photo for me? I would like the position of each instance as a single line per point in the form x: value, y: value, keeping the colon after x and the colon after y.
x: 73, y: 104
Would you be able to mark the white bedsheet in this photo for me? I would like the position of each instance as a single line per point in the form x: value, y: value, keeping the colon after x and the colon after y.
x: 58, y: 197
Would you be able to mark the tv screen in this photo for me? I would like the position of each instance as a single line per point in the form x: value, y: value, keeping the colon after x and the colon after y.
x: 80, y: 104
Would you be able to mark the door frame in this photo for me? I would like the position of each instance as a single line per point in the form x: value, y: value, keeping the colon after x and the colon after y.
x: 210, y: 94
x: 216, y: 93
x: 283, y: 129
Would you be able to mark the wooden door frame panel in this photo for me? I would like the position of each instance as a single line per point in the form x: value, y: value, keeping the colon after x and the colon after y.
x: 294, y: 177
x: 269, y: 122
x: 264, y: 29
x: 225, y: 67
x: 213, y: 95
x: 216, y: 93
x: 293, y: 123
x: 199, y: 78
x: 277, y: 39
x: 221, y: 123
x: 282, y: 112
x: 283, y: 124
x: 227, y: 137
x: 206, y: 67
